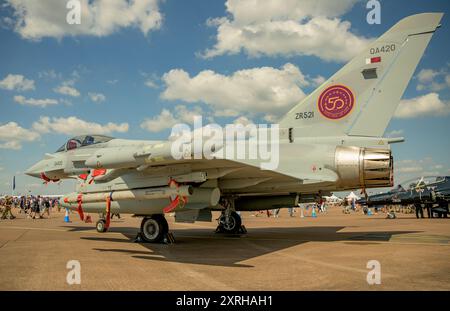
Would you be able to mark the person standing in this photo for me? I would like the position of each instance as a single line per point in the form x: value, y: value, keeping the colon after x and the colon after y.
x: 35, y: 208
x: 419, y: 210
x: 429, y: 207
x: 45, y: 207
x: 291, y: 211
x: 22, y: 204
x: 8, y: 203
x: 276, y: 213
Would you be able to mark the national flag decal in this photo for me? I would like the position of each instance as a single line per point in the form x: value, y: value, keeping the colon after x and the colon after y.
x: 373, y: 60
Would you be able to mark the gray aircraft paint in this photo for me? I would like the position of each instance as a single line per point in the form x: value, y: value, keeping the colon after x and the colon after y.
x: 313, y: 150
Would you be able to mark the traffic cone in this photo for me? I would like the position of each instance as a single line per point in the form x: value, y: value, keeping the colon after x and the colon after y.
x: 66, y: 216
x: 313, y: 214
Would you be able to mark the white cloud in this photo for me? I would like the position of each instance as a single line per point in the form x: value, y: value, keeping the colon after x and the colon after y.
x: 13, y: 82
x: 264, y: 89
x: 49, y: 75
x: 152, y: 80
x: 67, y: 90
x: 47, y: 18
x: 288, y: 27
x: 318, y: 80
x: 35, y: 102
x: 421, y: 167
x: 166, y: 119
x: 12, y: 135
x: 243, y: 121
x: 433, y: 80
x: 97, y: 97
x: 74, y: 126
x: 426, y: 75
x: 426, y: 105
x: 409, y: 169
x: 151, y: 84
x: 271, y: 118
x: 112, y: 81
x: 161, y: 122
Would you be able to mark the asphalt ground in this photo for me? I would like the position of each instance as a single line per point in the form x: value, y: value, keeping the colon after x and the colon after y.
x: 330, y: 252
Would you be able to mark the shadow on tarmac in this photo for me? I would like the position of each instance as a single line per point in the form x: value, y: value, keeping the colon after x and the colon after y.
x: 204, y: 247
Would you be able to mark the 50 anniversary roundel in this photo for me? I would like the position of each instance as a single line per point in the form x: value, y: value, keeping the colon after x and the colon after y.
x: 336, y: 101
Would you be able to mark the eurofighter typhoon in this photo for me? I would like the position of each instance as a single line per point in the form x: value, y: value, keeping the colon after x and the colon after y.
x: 331, y: 141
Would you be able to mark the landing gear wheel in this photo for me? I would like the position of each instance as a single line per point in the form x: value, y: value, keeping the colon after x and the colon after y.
x: 154, y: 228
x: 101, y: 225
x: 233, y: 225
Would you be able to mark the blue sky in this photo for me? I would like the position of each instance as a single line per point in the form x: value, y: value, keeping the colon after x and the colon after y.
x: 132, y: 74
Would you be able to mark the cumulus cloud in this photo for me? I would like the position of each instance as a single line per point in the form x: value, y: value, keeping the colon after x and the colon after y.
x: 13, y: 82
x: 426, y: 105
x: 67, y: 90
x: 243, y: 120
x: 97, y: 97
x: 289, y: 27
x: 433, y: 80
x: 12, y: 135
x: 427, y: 166
x: 264, y: 89
x: 35, y: 102
x: 75, y: 126
x: 167, y: 119
x: 47, y: 18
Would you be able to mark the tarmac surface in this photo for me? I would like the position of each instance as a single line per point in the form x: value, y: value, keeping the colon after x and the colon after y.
x: 330, y: 252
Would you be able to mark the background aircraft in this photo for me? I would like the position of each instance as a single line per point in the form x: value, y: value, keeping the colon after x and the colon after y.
x: 433, y: 191
x: 331, y: 141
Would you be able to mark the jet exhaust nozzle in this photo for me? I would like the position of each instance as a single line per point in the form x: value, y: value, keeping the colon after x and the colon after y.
x: 364, y: 167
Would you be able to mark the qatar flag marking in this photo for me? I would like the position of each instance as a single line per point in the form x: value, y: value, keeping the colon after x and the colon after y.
x: 336, y: 102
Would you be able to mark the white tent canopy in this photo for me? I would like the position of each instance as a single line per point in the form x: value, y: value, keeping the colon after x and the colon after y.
x: 333, y: 198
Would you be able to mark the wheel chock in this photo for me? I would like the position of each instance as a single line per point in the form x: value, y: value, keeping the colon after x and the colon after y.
x: 138, y: 238
x: 169, y: 238
x: 242, y: 230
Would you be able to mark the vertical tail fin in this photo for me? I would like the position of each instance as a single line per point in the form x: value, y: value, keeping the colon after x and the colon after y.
x: 361, y: 98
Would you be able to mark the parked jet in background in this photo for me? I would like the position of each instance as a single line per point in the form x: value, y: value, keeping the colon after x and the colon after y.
x: 434, y: 191
x: 331, y: 141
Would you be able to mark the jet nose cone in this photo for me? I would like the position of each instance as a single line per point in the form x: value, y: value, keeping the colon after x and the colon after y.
x: 35, y: 170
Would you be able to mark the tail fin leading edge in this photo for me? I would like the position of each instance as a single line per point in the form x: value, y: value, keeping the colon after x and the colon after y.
x: 361, y: 98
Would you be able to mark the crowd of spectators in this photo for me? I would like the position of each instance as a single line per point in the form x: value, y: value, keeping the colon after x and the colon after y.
x: 34, y: 206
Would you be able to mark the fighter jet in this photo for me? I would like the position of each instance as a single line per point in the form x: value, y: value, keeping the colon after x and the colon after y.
x: 331, y: 141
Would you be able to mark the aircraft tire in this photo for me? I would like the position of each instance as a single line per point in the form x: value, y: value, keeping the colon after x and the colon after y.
x: 234, y: 225
x: 100, y: 226
x: 154, y: 228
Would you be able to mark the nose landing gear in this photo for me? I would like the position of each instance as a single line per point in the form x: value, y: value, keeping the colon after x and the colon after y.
x: 101, y: 225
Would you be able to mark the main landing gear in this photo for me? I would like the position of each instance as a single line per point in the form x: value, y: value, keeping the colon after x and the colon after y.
x: 230, y: 223
x: 155, y: 229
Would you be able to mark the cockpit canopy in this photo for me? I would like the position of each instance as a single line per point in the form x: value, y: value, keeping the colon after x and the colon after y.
x: 84, y: 140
